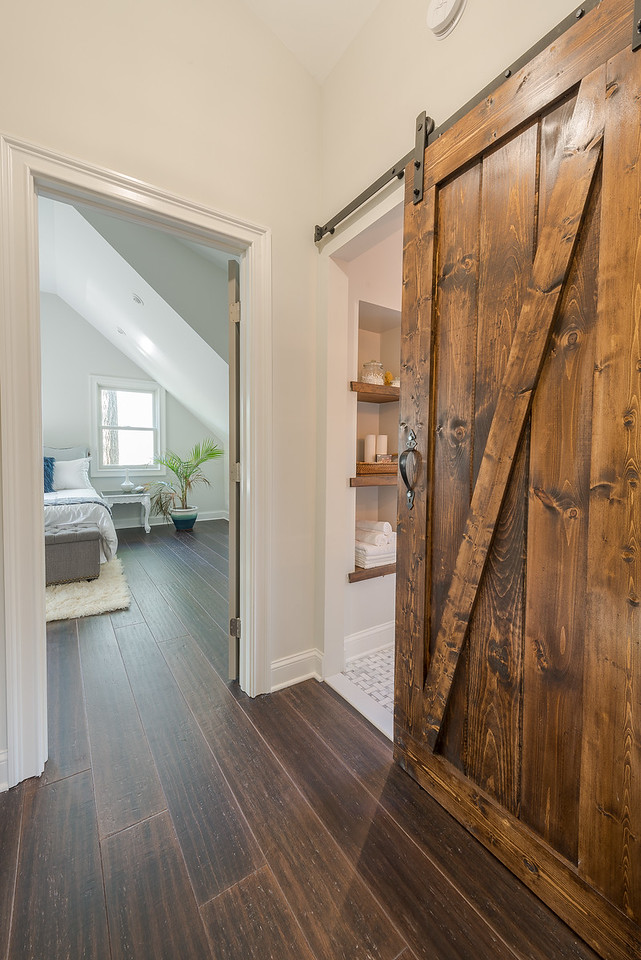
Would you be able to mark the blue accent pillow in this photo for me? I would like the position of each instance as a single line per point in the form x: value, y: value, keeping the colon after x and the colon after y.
x: 48, y: 463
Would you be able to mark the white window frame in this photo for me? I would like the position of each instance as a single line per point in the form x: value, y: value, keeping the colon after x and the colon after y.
x: 98, y: 383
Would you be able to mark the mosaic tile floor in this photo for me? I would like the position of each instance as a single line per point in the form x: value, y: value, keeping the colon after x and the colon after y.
x: 374, y: 675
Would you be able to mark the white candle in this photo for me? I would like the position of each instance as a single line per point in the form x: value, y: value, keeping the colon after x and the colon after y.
x: 370, y: 448
x: 381, y: 443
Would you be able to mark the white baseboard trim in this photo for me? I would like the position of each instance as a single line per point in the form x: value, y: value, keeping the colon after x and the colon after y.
x: 157, y: 521
x: 368, y: 641
x: 379, y: 717
x: 294, y: 669
x: 4, y: 770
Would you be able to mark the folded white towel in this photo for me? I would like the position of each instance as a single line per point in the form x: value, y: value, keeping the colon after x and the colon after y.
x: 373, y: 550
x: 379, y: 526
x: 370, y: 536
x: 375, y: 562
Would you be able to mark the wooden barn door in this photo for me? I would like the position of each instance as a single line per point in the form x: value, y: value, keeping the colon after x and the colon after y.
x: 518, y: 667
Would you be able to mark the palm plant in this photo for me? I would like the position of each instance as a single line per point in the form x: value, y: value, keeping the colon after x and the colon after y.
x: 169, y: 495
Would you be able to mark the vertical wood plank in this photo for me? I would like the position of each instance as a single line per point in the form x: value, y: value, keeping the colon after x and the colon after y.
x: 151, y: 906
x: 59, y: 907
x: 10, y: 822
x: 610, y: 837
x: 455, y: 351
x: 412, y: 565
x: 557, y: 537
x: 252, y: 920
x: 216, y: 842
x: 559, y: 235
x: 496, y: 630
x: 125, y: 778
x: 334, y: 907
x: 427, y: 908
x: 67, y: 722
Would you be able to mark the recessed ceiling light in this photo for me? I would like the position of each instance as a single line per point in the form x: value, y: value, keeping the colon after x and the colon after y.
x: 138, y: 300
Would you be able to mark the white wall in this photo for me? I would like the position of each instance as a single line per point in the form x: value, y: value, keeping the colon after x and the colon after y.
x: 375, y: 276
x: 395, y: 68
x: 392, y: 70
x: 194, y: 286
x: 201, y: 100
x: 72, y: 350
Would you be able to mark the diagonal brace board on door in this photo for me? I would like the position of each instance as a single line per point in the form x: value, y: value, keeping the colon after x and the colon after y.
x: 568, y: 202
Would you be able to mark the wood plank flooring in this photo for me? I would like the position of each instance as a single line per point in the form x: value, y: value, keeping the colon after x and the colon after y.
x: 179, y: 819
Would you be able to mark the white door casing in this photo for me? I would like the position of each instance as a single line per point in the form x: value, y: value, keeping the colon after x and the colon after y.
x: 25, y: 171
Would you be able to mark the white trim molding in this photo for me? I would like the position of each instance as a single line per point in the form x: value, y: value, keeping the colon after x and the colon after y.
x: 377, y: 715
x: 370, y: 640
x: 4, y: 770
x: 307, y: 665
x: 26, y: 171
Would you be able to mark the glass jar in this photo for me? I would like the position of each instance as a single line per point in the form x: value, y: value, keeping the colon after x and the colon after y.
x: 373, y: 372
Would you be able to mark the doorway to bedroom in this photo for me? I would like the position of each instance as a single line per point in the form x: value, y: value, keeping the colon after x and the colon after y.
x: 134, y: 325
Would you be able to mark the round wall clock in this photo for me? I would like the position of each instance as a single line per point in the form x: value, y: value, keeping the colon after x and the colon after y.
x: 443, y: 15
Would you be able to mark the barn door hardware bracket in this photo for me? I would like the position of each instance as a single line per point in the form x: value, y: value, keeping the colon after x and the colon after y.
x: 636, y: 25
x: 397, y: 171
x: 424, y: 126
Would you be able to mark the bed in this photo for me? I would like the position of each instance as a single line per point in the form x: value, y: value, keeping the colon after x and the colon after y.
x: 70, y: 499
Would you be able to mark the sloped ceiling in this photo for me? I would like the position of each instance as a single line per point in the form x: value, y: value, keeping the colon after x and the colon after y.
x: 78, y: 265
x: 317, y: 33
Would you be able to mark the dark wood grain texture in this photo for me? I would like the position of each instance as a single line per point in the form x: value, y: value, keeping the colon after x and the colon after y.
x: 550, y: 76
x: 188, y: 608
x: 10, y: 826
x: 417, y: 333
x: 494, y: 646
x: 610, y: 837
x: 336, y: 911
x: 552, y: 878
x: 558, y: 238
x: 457, y: 279
x: 525, y: 923
x: 151, y: 906
x: 252, y: 921
x: 410, y: 887
x: 200, y: 577
x: 125, y: 778
x: 59, y: 909
x: 374, y: 392
x: 157, y: 614
x: 557, y: 537
x: 218, y: 850
x: 68, y: 740
x: 323, y: 833
x: 371, y: 573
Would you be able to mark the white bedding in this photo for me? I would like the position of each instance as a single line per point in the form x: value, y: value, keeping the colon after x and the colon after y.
x: 59, y: 512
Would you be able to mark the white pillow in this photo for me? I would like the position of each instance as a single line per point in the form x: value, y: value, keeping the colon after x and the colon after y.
x: 71, y: 474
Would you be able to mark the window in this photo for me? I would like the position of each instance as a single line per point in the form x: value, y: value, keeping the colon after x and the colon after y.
x: 128, y: 425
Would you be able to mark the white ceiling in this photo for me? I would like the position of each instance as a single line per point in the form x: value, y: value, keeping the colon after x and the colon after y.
x: 317, y: 31
x: 78, y: 265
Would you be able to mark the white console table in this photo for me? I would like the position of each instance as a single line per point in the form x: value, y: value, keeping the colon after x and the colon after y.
x: 114, y: 497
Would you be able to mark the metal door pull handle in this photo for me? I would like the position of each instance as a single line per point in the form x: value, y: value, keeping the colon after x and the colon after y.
x: 402, y: 466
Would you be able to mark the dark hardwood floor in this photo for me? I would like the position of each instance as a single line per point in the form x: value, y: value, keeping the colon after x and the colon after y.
x: 179, y: 819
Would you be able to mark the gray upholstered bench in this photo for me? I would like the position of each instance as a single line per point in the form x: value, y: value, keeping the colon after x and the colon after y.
x: 72, y: 553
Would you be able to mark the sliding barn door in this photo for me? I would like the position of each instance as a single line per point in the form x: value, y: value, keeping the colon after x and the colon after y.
x: 518, y: 676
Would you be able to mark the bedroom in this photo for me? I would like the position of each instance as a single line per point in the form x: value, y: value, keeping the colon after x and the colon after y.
x: 99, y: 315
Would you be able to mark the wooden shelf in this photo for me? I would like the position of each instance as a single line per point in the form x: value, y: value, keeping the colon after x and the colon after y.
x: 361, y: 574
x: 374, y: 480
x: 374, y: 392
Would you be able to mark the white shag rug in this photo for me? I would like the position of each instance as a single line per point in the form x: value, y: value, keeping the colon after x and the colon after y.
x: 85, y: 598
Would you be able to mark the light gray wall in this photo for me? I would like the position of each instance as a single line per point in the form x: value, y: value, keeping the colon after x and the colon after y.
x: 72, y: 350
x: 195, y: 287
